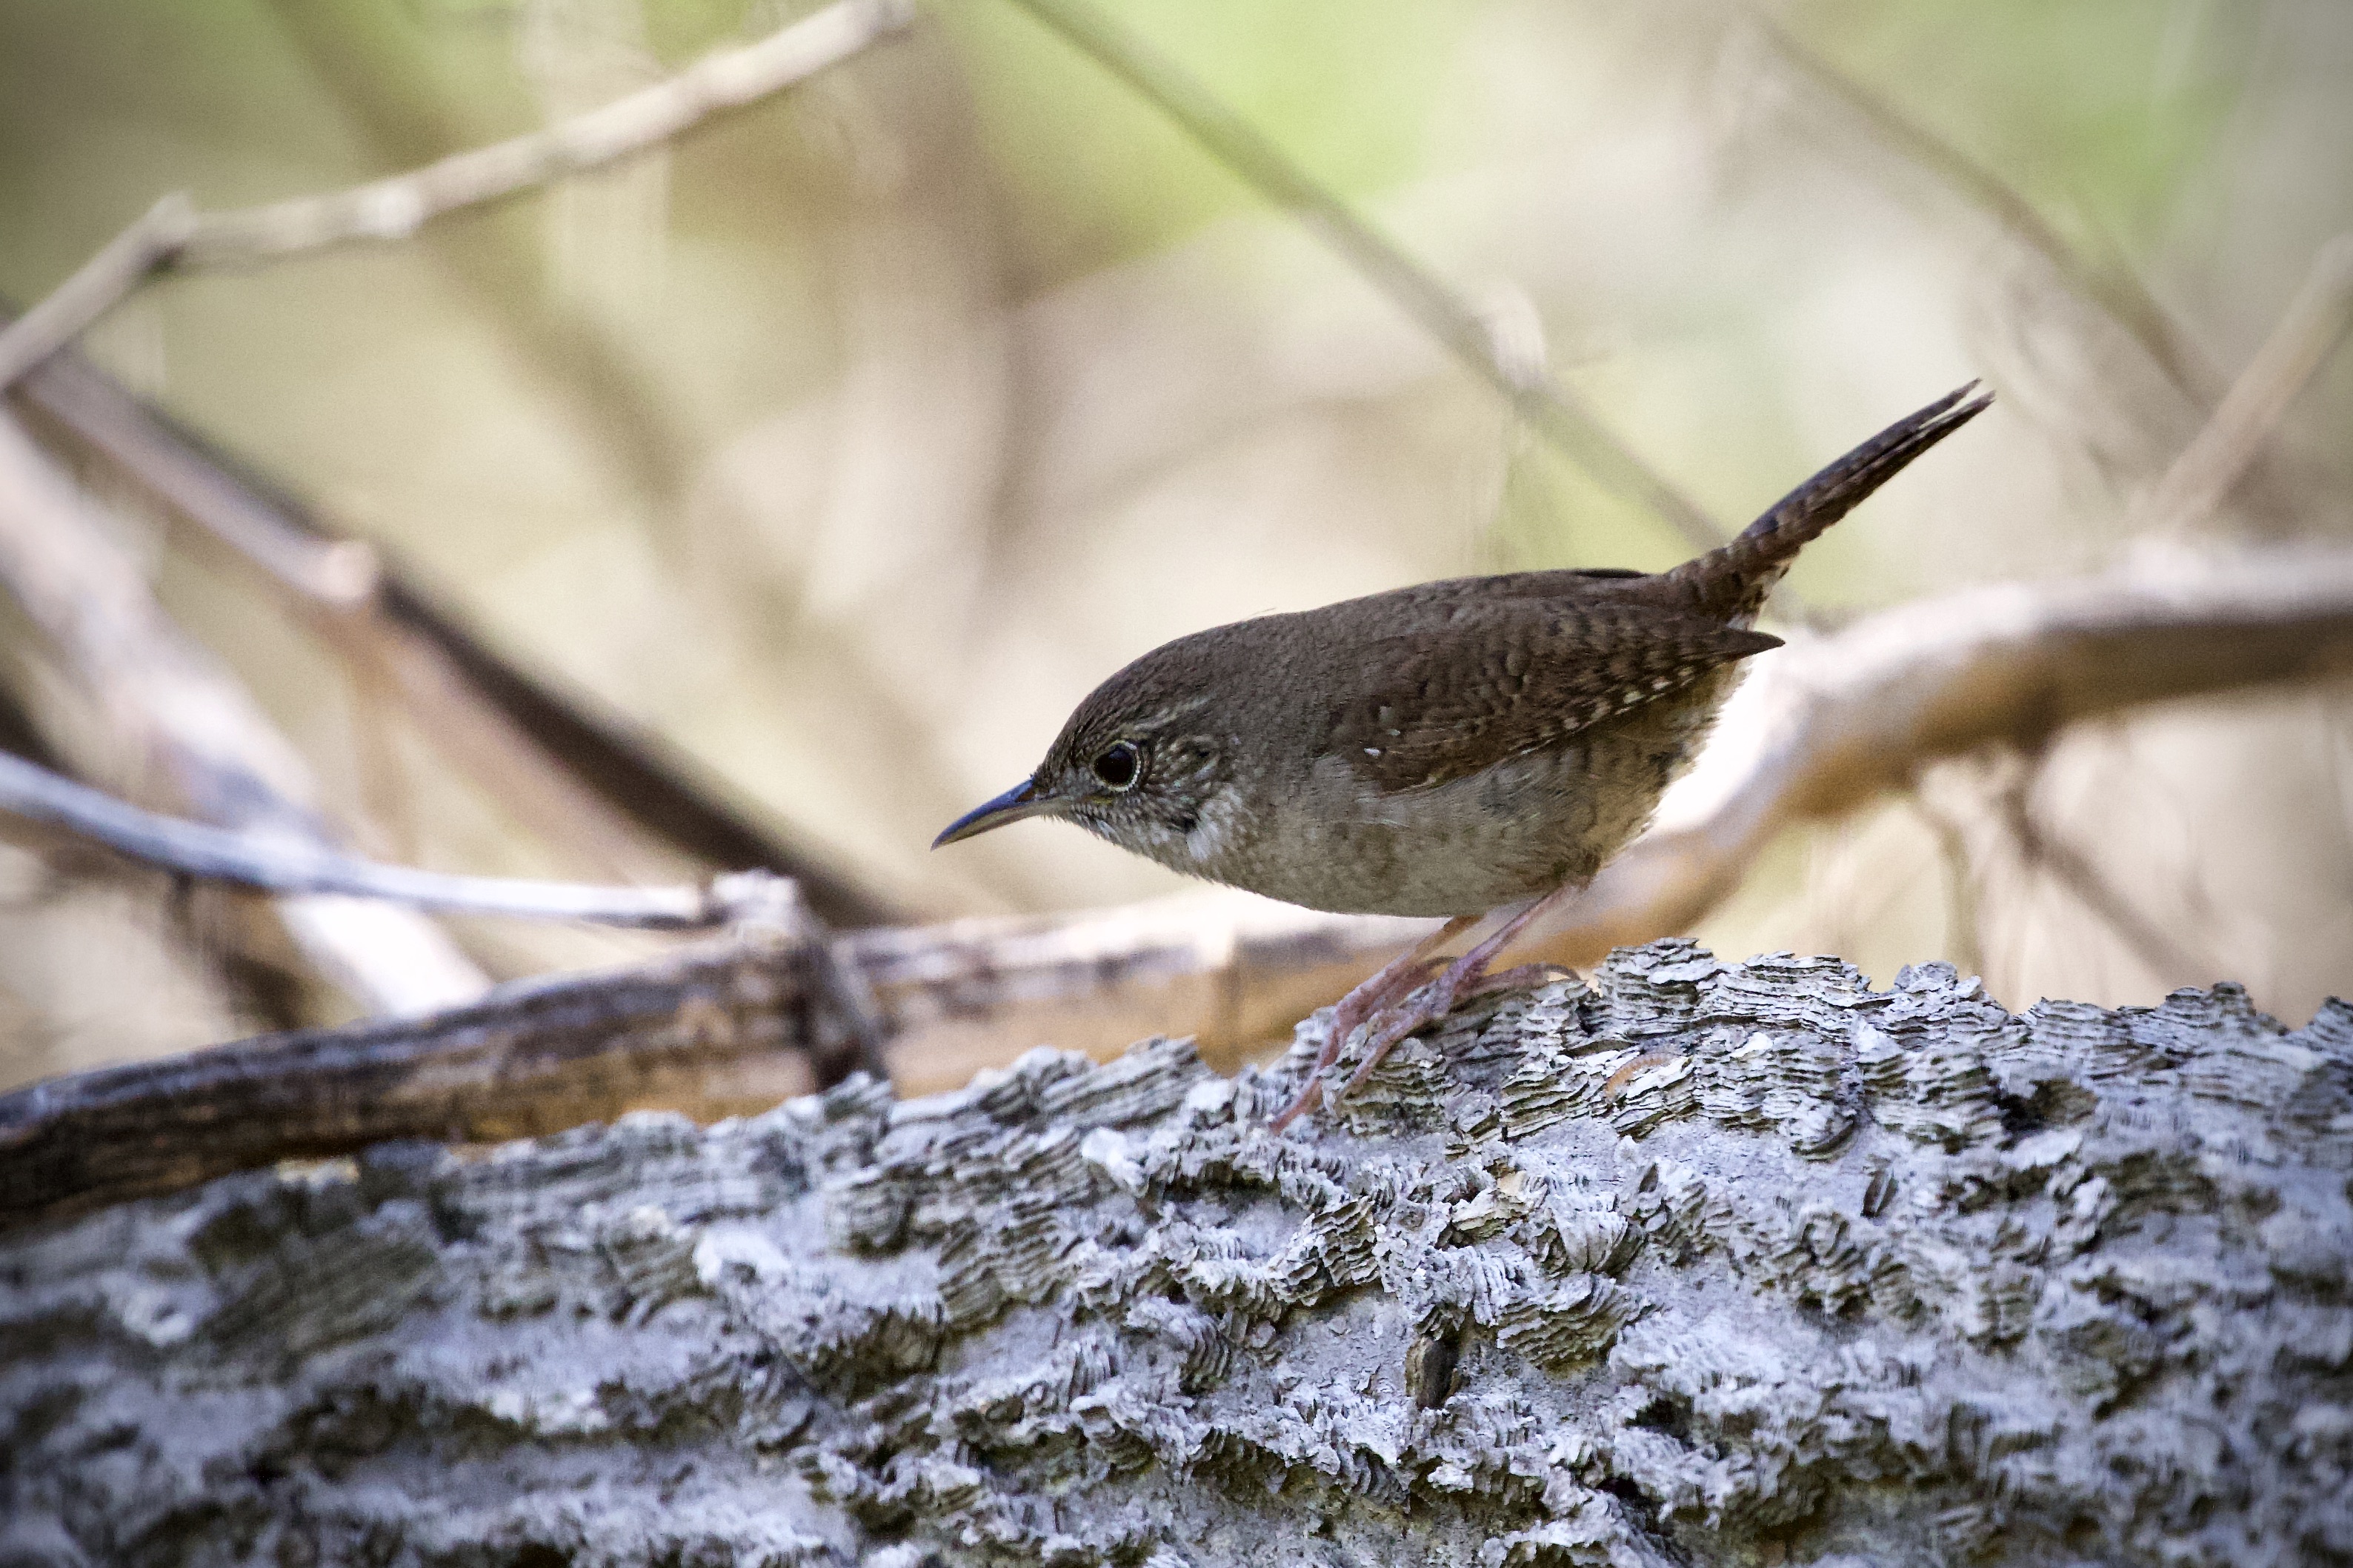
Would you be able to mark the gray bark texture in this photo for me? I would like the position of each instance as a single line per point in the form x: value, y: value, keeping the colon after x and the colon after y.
x: 1701, y: 1264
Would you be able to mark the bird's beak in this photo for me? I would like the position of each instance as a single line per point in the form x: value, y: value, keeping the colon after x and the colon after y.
x: 1022, y: 800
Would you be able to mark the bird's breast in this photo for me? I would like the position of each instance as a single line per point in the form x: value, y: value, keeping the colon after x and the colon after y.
x: 1333, y: 839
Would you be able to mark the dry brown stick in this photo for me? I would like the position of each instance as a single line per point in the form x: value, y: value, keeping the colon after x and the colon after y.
x: 173, y: 235
x: 168, y: 703
x: 1558, y: 414
x: 2308, y: 331
x: 585, y: 780
x: 729, y: 1028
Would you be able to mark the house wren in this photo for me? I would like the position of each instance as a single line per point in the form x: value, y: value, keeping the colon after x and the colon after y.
x: 1446, y: 749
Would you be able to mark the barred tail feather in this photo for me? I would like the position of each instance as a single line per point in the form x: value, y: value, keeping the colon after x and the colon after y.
x: 1730, y: 583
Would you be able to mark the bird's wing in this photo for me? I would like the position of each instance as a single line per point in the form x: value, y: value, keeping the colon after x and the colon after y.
x: 1421, y: 713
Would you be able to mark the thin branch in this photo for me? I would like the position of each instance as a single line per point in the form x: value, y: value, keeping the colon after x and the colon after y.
x: 1964, y: 935
x: 2310, y: 330
x: 273, y: 864
x: 726, y: 1028
x: 1561, y: 417
x: 1832, y: 721
x: 172, y: 236
x: 101, y: 283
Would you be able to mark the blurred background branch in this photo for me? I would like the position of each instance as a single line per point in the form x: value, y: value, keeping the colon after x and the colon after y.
x: 2113, y: 287
x: 180, y: 724
x: 2309, y: 333
x: 275, y: 864
x: 587, y: 780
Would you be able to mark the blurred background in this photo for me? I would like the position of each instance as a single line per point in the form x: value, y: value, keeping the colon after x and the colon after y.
x: 838, y: 449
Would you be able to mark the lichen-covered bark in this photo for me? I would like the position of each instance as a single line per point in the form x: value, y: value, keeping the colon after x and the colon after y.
x: 1707, y: 1264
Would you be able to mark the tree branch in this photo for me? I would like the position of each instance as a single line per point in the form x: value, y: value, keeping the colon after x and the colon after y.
x: 293, y: 865
x: 2118, y: 293
x: 172, y: 236
x: 2308, y: 331
x: 725, y: 1029
x: 1832, y: 721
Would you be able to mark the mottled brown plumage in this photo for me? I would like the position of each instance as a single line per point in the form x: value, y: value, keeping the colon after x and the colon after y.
x: 1445, y: 749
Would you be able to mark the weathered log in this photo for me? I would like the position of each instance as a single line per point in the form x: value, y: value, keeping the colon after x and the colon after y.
x: 1704, y: 1264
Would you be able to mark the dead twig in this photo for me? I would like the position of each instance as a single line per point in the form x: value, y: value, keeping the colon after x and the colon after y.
x: 171, y: 235
x: 1558, y: 414
x: 727, y: 1029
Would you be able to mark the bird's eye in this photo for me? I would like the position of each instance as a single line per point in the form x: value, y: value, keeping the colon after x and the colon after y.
x: 1118, y: 765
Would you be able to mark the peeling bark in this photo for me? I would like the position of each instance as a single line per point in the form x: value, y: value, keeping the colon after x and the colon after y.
x: 1704, y: 1264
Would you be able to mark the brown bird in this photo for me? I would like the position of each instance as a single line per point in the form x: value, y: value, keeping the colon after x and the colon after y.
x: 1448, y: 749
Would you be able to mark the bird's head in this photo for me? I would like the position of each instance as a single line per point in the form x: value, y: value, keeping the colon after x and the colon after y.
x: 1140, y: 763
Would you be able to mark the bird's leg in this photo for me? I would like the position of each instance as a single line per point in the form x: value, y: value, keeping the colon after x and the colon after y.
x: 1394, y: 979
x: 1466, y: 977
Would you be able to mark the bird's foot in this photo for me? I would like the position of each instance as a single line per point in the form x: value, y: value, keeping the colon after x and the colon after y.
x: 1466, y: 977
x: 1396, y: 981
x: 1397, y: 1001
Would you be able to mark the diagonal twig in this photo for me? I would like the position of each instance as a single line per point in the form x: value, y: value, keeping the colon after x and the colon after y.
x: 1559, y: 415
x: 173, y: 235
x: 2040, y: 848
x: 1964, y: 933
